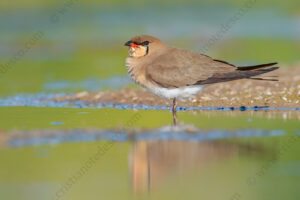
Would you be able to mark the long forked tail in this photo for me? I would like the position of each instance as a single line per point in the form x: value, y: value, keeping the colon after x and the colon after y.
x: 247, y: 68
x: 259, y: 69
x: 242, y: 73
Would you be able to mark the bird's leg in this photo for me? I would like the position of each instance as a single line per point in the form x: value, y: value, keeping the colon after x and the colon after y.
x: 174, y: 111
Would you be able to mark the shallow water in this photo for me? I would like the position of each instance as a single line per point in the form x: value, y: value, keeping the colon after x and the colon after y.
x: 75, y: 153
x: 154, y: 169
x: 68, y: 152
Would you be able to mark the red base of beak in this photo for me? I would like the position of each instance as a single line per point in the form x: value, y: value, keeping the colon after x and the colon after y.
x: 134, y: 45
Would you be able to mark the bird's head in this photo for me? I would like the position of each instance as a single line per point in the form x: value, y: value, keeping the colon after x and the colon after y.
x: 143, y: 45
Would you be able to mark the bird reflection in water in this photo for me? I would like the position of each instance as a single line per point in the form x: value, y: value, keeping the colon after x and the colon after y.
x: 152, y: 162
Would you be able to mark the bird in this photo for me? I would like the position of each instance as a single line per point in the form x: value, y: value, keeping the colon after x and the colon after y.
x: 175, y: 73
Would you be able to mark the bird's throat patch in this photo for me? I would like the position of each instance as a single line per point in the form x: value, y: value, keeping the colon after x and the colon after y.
x: 138, y: 51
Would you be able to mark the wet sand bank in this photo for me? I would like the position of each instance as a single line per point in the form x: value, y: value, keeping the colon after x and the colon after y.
x: 282, y: 93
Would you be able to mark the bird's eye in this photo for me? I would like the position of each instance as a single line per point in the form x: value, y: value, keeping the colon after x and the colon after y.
x: 145, y: 43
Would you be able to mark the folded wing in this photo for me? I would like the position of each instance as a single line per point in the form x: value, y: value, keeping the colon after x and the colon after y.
x: 180, y: 68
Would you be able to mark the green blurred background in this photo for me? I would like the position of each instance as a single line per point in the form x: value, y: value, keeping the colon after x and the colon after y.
x: 72, y: 45
x: 82, y: 41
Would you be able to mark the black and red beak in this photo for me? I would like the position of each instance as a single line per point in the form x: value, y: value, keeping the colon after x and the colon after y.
x: 131, y: 44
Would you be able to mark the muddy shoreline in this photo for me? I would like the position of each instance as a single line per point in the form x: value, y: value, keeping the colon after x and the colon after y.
x: 283, y: 93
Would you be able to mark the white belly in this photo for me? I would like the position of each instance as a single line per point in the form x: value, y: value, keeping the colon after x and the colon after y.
x: 180, y: 93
